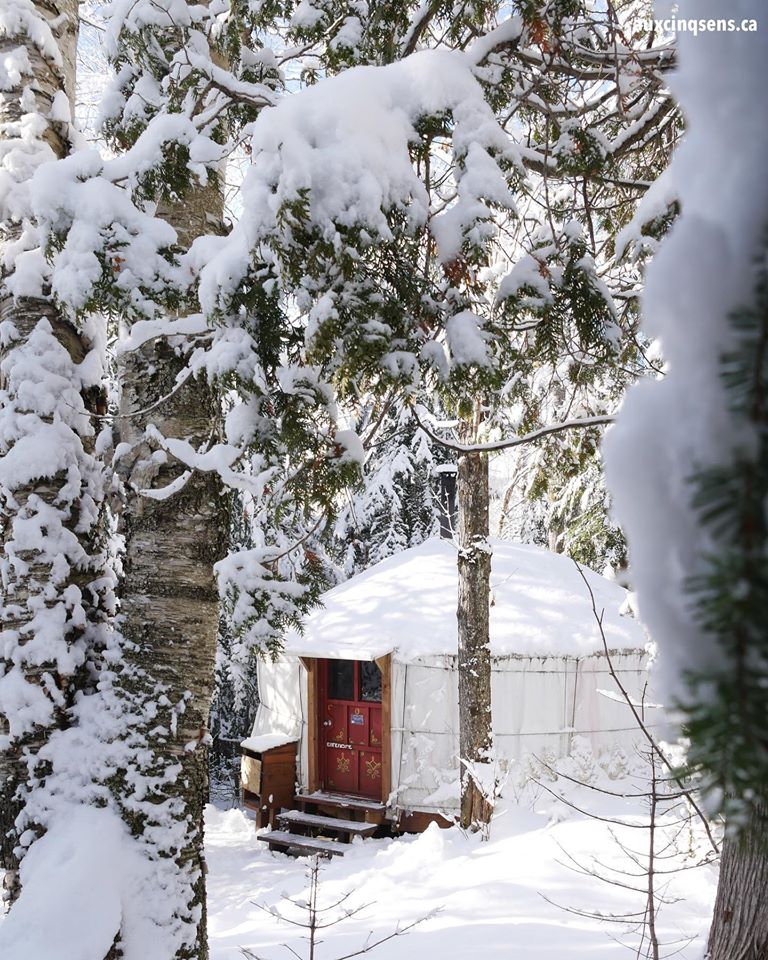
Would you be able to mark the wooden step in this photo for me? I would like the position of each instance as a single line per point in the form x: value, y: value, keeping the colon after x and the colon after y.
x: 341, y: 800
x: 282, y: 840
x: 297, y: 818
x: 357, y: 807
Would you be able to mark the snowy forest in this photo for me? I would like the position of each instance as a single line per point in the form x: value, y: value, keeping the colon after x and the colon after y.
x: 383, y: 534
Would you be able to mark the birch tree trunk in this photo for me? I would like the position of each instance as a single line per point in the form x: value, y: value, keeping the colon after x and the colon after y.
x: 474, y: 562
x: 740, y: 919
x: 169, y: 597
x: 49, y: 528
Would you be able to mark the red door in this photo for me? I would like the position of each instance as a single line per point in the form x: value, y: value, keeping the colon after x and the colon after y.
x: 350, y: 727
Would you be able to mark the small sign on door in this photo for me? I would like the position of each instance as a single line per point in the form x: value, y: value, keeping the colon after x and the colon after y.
x: 357, y: 719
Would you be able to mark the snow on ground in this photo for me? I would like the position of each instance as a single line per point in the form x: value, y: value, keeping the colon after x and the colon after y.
x: 491, y: 894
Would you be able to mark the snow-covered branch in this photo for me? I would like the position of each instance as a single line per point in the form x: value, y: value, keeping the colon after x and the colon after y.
x: 577, y: 423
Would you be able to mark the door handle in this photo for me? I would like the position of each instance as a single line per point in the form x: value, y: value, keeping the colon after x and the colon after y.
x: 327, y: 723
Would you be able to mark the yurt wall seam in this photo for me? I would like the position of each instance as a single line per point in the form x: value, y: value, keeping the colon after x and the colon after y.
x: 567, y: 660
x: 575, y: 693
x: 304, y: 728
x: 563, y: 731
x: 396, y: 786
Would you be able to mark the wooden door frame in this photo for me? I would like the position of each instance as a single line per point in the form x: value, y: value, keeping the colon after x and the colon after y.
x: 385, y: 665
x: 312, y: 666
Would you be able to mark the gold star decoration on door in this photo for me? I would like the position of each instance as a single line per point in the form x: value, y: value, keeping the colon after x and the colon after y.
x: 374, y: 769
x: 342, y: 763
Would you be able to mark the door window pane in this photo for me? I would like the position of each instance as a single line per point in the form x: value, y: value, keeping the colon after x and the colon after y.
x: 370, y: 681
x: 341, y: 679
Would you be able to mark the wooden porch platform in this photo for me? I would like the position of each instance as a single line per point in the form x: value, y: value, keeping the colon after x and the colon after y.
x: 336, y: 804
x: 304, y: 834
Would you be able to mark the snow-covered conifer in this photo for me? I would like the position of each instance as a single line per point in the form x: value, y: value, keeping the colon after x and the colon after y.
x: 687, y: 461
x: 56, y: 587
x: 431, y: 202
x: 423, y: 216
x: 396, y: 505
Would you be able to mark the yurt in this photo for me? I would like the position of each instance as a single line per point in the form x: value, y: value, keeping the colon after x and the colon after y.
x: 361, y: 707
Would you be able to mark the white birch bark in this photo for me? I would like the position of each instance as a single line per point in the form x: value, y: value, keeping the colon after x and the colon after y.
x: 169, y: 599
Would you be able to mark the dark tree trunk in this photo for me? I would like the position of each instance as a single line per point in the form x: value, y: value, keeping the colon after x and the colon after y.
x: 740, y: 920
x: 475, y: 736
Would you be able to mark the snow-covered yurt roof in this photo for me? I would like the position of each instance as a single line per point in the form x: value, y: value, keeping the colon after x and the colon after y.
x: 406, y: 605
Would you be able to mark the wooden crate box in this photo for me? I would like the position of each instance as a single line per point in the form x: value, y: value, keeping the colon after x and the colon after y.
x: 268, y: 781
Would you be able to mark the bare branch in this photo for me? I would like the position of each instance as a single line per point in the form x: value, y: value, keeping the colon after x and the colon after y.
x: 640, y: 722
x: 592, y: 816
x: 608, y: 917
x: 608, y: 793
x: 399, y: 932
x: 579, y: 423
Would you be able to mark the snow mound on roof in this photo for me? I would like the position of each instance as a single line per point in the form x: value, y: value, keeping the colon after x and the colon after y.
x: 407, y: 605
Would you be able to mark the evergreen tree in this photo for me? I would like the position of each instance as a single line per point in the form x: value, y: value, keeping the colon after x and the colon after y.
x: 558, y: 499
x: 396, y: 505
x: 418, y: 220
x: 236, y: 691
x: 117, y: 233
x: 687, y: 460
x: 394, y: 240
x: 57, y: 588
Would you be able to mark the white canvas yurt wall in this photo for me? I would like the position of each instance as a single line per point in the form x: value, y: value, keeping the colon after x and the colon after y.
x: 550, y: 679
